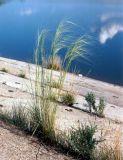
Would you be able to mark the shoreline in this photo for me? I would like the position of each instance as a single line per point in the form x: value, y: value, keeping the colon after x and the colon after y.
x: 80, y: 86
x: 79, y: 75
x: 100, y: 81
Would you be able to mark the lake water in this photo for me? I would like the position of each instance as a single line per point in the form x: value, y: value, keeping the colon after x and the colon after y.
x: 20, y: 21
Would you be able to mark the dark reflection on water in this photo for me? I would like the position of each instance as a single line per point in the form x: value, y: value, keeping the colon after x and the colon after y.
x: 20, y: 20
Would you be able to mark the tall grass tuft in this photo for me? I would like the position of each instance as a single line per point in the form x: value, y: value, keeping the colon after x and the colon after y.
x: 68, y: 99
x: 44, y: 108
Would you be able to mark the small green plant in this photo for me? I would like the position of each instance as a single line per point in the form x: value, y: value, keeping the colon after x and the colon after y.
x: 101, y: 106
x: 4, y: 70
x: 54, y: 63
x: 90, y: 98
x: 5, y: 116
x: 68, y: 99
x: 22, y: 75
x: 80, y: 141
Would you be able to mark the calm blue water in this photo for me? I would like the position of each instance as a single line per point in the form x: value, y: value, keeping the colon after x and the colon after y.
x: 20, y: 21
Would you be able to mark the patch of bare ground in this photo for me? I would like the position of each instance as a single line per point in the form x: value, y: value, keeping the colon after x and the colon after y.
x: 15, y: 145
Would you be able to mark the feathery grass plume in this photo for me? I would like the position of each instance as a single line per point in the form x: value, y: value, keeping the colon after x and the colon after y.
x: 63, y: 37
x: 62, y: 40
x: 77, y: 49
x: 74, y: 46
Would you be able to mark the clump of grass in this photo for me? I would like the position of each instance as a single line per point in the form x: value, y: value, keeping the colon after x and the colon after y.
x: 43, y: 120
x: 17, y: 116
x: 4, y: 70
x: 5, y: 116
x: 54, y: 63
x: 52, y: 97
x: 22, y: 75
x: 73, y: 48
x: 68, y: 99
x: 55, y: 84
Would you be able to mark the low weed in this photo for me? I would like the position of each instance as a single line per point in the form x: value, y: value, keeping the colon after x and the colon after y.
x: 68, y: 99
x: 4, y: 70
x: 17, y: 116
x: 80, y: 141
x: 22, y: 75
x: 55, y: 84
x: 98, y: 109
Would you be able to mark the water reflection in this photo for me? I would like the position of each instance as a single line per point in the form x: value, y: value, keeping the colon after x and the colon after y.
x: 108, y: 32
x: 112, y: 24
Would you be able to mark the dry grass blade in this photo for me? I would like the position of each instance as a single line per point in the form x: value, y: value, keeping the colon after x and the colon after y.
x: 111, y: 150
x: 55, y: 63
